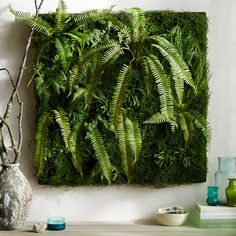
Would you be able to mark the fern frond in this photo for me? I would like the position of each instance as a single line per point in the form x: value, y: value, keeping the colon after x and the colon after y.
x: 63, y: 52
x: 159, y: 118
x: 61, y: 16
x: 41, y: 139
x: 123, y: 31
x: 81, y: 73
x: 75, y: 139
x: 163, y: 84
x: 80, y: 92
x: 176, y: 39
x: 101, y: 153
x: 79, y: 37
x: 134, y: 138
x: 147, y: 76
x: 93, y: 85
x: 63, y: 121
x: 36, y: 23
x: 137, y: 23
x: 80, y: 70
x: 96, y: 50
x: 187, y: 126
x: 126, y: 157
x: 178, y: 66
x: 201, y: 123
x: 112, y: 53
x: 119, y: 94
x: 59, y: 84
x: 85, y: 18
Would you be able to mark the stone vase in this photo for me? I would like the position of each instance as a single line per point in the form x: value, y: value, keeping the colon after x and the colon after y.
x: 15, y: 197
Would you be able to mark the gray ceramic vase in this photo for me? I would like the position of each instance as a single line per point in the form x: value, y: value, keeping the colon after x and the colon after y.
x: 15, y: 197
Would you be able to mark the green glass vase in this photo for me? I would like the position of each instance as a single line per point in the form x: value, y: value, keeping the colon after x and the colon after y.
x: 230, y: 192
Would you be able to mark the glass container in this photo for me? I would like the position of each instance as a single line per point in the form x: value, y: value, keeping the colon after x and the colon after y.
x: 226, y: 170
x: 230, y: 192
x: 212, y: 195
x: 56, y: 223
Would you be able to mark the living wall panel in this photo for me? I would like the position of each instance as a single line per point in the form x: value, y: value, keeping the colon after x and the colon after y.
x: 121, y: 97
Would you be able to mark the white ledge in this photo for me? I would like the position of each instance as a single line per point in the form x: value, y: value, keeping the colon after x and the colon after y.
x: 132, y: 228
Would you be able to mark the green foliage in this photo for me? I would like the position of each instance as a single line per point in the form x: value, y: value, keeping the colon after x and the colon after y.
x: 119, y: 94
x: 130, y: 143
x: 101, y: 154
x: 121, y: 98
x: 41, y: 141
x: 36, y: 23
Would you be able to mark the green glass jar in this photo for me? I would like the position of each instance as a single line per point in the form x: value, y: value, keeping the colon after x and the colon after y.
x: 230, y: 192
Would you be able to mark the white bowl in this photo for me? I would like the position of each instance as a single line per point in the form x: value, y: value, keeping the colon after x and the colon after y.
x: 171, y: 219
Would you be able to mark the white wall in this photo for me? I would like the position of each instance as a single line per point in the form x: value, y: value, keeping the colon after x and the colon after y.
x: 120, y: 202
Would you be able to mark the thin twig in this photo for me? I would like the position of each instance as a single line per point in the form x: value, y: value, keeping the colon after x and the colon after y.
x: 22, y: 67
x: 20, y: 133
x: 3, y: 121
x: 13, y: 147
x: 35, y: 6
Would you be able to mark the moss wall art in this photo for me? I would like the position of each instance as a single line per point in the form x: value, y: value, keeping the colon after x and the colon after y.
x: 121, y: 98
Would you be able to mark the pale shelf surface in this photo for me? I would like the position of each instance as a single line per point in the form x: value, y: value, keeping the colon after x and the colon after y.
x: 122, y: 229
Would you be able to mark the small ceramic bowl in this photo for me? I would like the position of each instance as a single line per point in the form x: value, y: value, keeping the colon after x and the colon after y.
x: 171, y: 219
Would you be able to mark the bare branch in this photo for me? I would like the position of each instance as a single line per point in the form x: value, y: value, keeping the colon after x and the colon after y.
x: 39, y: 7
x: 22, y: 67
x: 3, y: 150
x: 35, y: 6
x: 20, y: 133
x: 13, y: 146
x: 3, y: 120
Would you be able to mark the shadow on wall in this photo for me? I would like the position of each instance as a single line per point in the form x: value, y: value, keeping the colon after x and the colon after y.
x: 13, y: 38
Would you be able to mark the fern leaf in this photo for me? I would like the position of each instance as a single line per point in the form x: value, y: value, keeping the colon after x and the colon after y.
x: 75, y: 148
x: 163, y: 85
x: 123, y: 31
x: 176, y: 36
x: 159, y: 118
x: 112, y: 53
x: 101, y: 153
x: 96, y: 50
x: 80, y: 92
x: 36, y: 23
x: 148, y: 76
x: 134, y: 138
x: 80, y: 38
x: 119, y: 94
x: 73, y: 77
x: 126, y: 157
x: 186, y: 125
x: 60, y: 16
x: 85, y: 18
x: 178, y: 66
x: 63, y: 52
x: 41, y: 139
x: 137, y: 23
x: 63, y: 121
x: 201, y: 123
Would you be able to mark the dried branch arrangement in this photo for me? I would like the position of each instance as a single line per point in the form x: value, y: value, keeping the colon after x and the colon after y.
x: 4, y: 119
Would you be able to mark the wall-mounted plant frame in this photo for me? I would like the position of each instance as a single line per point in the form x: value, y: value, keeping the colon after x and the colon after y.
x: 121, y: 97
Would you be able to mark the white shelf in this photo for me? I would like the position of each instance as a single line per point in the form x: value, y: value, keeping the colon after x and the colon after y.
x: 122, y: 229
